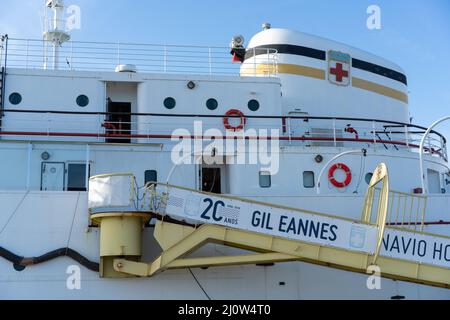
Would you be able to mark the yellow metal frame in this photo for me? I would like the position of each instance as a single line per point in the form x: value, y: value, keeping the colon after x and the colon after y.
x: 178, y: 242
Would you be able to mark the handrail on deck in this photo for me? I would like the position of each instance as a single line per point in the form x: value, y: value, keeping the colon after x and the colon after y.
x: 158, y: 58
x: 152, y: 126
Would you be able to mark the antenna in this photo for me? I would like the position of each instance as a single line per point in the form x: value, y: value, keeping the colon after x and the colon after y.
x: 55, y: 33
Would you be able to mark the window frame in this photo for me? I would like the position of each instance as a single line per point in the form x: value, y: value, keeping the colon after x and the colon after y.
x: 67, y: 186
x: 313, y: 179
x: 265, y: 174
x: 151, y: 180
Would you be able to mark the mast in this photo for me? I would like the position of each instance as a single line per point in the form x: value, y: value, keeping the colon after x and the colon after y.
x: 55, y: 31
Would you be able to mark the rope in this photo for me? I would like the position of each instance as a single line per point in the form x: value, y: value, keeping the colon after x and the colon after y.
x: 14, y: 212
x: 199, y: 284
x: 73, y: 221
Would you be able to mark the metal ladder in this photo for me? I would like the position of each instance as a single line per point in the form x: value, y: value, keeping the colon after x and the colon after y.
x: 2, y: 93
x: 2, y: 77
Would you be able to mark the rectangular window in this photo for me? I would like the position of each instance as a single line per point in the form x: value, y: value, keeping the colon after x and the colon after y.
x: 76, y: 177
x: 151, y: 176
x: 308, y: 179
x: 265, y: 179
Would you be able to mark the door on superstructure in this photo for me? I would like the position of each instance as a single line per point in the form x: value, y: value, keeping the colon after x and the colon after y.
x: 211, y: 180
x: 434, y: 182
x: 52, y: 176
x: 76, y: 177
x: 118, y: 122
x: 214, y: 178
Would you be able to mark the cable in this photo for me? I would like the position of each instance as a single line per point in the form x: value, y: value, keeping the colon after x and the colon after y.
x: 14, y: 212
x: 63, y: 252
x: 73, y: 220
x: 199, y: 284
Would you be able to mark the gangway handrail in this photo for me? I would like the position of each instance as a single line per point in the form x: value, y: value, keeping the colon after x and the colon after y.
x: 380, y: 175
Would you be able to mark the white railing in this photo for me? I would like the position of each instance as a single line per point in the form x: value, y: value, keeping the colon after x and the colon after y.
x: 147, y: 128
x: 151, y: 58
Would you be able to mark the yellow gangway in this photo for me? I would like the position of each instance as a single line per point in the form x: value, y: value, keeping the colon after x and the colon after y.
x: 121, y: 235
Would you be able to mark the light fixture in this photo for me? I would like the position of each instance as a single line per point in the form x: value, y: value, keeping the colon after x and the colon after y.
x: 45, y: 156
x: 191, y: 85
x: 319, y: 158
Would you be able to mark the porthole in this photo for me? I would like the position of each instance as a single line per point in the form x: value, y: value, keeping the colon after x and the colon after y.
x: 82, y: 100
x: 15, y: 98
x: 212, y: 104
x: 369, y: 177
x: 170, y: 103
x: 253, y: 105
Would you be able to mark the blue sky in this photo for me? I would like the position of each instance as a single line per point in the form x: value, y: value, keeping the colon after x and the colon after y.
x: 415, y: 34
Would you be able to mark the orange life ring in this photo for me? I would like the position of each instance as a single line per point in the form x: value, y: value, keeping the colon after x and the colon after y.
x: 348, y: 174
x: 234, y: 113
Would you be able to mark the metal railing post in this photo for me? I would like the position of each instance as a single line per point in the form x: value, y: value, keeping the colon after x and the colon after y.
x: 254, y: 62
x: 29, y: 151
x: 48, y: 124
x: 374, y: 135
x: 6, y: 52
x: 118, y: 53
x: 165, y: 59
x: 88, y: 161
x: 210, y: 61
x: 290, y: 130
x: 26, y: 63
x: 334, y: 133
x: 71, y: 55
x: 407, y: 136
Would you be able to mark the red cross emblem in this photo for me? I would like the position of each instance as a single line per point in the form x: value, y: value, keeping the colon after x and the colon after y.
x: 339, y: 68
x: 339, y: 72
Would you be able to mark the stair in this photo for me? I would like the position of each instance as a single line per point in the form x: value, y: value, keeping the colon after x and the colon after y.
x: 273, y: 233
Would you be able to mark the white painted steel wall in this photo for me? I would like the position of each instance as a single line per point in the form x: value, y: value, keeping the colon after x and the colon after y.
x: 322, y: 98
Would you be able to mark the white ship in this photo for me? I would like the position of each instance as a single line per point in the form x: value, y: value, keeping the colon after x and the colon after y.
x: 299, y: 173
